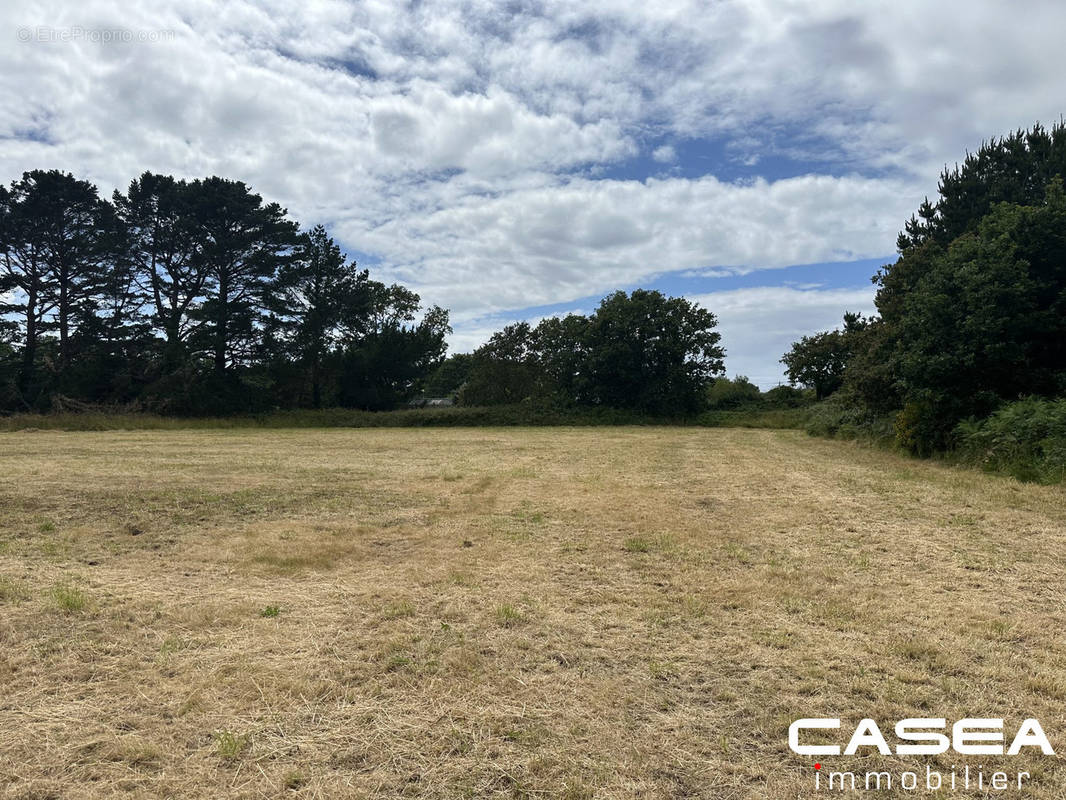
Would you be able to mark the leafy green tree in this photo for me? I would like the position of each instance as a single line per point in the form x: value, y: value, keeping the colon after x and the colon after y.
x: 871, y: 387
x: 521, y: 363
x: 985, y: 322
x: 562, y: 351
x: 391, y: 358
x: 22, y: 280
x: 117, y: 354
x: 1016, y: 168
x: 785, y: 396
x: 725, y: 394
x: 78, y: 244
x: 650, y: 353
x: 193, y: 297
x: 449, y: 377
x: 972, y: 313
x: 9, y: 398
x: 819, y: 361
x: 643, y: 351
x: 504, y: 370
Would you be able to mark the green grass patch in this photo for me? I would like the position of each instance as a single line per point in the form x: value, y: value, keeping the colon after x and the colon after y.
x: 637, y: 544
x: 296, y: 779
x: 69, y: 598
x: 508, y: 616
x: 229, y: 746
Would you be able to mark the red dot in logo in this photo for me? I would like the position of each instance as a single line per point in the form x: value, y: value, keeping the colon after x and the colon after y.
x: 817, y: 766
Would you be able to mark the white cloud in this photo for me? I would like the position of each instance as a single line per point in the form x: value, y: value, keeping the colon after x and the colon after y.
x: 665, y: 154
x: 759, y: 325
x: 460, y: 141
x: 545, y: 244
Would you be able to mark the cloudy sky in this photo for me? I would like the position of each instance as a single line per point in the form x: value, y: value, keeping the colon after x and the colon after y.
x: 511, y: 160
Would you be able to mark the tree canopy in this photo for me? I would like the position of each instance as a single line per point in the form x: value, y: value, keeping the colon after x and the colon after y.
x: 818, y: 361
x: 193, y: 297
x: 973, y: 312
x: 642, y: 351
x: 200, y: 297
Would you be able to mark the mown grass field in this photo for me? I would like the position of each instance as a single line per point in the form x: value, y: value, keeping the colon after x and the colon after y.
x: 528, y: 612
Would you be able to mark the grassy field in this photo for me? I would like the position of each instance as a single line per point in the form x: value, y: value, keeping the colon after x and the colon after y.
x: 526, y: 612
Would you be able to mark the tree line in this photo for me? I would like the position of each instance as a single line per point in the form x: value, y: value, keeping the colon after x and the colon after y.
x: 972, y: 314
x: 193, y: 297
x: 641, y: 351
x: 197, y: 297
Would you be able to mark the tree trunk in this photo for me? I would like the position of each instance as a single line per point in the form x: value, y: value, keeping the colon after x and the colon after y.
x: 221, y: 334
x: 29, y: 352
x: 173, y: 356
x: 64, y: 322
x: 316, y: 384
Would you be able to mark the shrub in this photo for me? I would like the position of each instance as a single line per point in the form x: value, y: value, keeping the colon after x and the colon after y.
x: 725, y: 394
x: 919, y: 428
x: 788, y: 397
x: 837, y: 417
x: 1026, y: 439
x: 775, y: 418
x: 530, y: 412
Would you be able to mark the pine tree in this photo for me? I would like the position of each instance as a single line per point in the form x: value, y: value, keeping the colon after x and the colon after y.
x: 242, y: 244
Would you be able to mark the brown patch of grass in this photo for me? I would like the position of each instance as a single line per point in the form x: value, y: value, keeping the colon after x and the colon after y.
x: 13, y: 590
x: 607, y: 612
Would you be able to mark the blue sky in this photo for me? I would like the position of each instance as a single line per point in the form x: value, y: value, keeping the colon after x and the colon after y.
x: 509, y: 161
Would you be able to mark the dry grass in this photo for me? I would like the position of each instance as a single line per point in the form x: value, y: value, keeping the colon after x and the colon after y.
x: 571, y: 613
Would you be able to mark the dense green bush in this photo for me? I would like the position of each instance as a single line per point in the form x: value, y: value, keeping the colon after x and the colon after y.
x: 1026, y: 439
x: 788, y: 397
x: 739, y: 403
x: 756, y: 417
x: 726, y: 394
x: 448, y: 379
x: 837, y: 417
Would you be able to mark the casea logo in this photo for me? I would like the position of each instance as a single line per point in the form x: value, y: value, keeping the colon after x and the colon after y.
x: 922, y: 736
